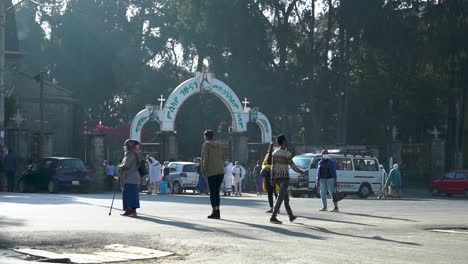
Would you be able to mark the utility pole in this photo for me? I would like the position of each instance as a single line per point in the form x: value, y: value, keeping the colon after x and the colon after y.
x: 41, y: 109
x: 2, y: 71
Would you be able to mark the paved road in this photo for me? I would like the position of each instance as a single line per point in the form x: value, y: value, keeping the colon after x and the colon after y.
x: 365, y: 231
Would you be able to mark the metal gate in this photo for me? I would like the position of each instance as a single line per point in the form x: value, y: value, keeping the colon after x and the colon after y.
x: 416, y: 164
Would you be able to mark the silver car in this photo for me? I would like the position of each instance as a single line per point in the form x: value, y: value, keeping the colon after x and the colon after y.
x: 182, y: 176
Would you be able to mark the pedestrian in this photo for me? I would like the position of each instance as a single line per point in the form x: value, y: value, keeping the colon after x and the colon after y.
x: 154, y: 175
x: 227, y: 180
x: 213, y: 169
x: 258, y: 178
x: 281, y: 162
x: 202, y: 184
x: 109, y: 169
x: 266, y: 174
x: 166, y: 176
x: 327, y: 179
x: 383, y: 179
x: 393, y: 183
x: 130, y: 178
x: 238, y: 173
x: 9, y: 166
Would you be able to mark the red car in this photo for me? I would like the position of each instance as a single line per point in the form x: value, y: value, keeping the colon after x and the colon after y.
x: 453, y: 182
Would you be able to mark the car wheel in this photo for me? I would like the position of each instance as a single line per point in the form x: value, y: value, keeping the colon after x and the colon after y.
x: 52, y: 187
x: 364, y: 191
x: 176, y: 188
x: 435, y: 192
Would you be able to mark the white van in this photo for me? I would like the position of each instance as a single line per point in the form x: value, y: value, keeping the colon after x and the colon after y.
x: 356, y: 174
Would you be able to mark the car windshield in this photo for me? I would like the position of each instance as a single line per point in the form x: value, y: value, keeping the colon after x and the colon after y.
x: 302, y: 162
x: 72, y: 164
x: 190, y: 168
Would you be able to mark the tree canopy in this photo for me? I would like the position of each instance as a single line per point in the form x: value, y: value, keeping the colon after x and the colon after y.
x: 339, y: 71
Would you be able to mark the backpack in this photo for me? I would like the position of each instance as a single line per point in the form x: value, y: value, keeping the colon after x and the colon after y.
x: 142, y: 168
x: 141, y: 164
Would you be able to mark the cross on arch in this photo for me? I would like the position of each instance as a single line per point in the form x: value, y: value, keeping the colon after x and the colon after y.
x: 436, y: 133
x: 245, y: 102
x: 161, y: 102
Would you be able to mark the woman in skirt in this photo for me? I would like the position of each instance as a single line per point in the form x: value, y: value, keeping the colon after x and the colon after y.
x: 130, y: 178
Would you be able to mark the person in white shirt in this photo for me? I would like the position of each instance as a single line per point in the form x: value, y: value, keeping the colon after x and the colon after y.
x: 154, y: 175
x: 238, y: 173
x: 227, y: 181
x: 109, y: 168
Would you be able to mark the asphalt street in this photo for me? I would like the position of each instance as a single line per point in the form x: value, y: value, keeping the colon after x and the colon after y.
x: 365, y: 231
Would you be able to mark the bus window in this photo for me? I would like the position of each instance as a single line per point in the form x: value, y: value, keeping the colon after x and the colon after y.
x: 344, y: 164
x: 365, y: 165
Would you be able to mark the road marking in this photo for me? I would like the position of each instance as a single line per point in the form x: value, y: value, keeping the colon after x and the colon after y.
x: 114, y: 253
x: 92, y: 259
x: 40, y: 253
x: 139, y: 250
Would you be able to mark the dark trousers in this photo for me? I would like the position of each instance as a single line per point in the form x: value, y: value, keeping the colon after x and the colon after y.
x: 10, y: 177
x: 270, y: 190
x: 283, y: 195
x: 215, y: 184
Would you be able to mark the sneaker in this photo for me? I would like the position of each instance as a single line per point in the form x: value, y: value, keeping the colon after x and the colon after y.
x: 323, y: 209
x: 274, y: 220
x: 269, y: 211
x: 336, y: 210
x: 292, y: 218
x: 133, y: 214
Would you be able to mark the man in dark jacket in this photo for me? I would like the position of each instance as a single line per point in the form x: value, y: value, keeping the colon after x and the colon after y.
x: 326, y: 179
x: 10, y: 169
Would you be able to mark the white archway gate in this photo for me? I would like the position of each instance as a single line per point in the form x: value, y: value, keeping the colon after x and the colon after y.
x: 202, y: 83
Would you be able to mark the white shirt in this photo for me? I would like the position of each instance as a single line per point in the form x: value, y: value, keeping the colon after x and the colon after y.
x: 154, y: 170
x: 238, y: 171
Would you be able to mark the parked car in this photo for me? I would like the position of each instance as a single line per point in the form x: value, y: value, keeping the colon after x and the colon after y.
x: 182, y: 176
x: 357, y: 174
x: 453, y: 182
x: 54, y: 174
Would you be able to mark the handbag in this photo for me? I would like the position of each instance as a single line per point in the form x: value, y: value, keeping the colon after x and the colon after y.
x: 337, y: 195
x: 316, y: 192
x: 392, y: 192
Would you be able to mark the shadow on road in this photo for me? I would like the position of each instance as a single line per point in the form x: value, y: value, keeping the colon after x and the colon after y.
x: 187, y: 225
x: 327, y: 231
x: 380, y: 217
x: 4, y: 221
x: 275, y: 229
x: 335, y: 221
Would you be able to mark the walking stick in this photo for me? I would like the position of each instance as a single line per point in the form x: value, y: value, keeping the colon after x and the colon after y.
x: 113, y: 197
x: 118, y: 187
x: 112, y: 204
